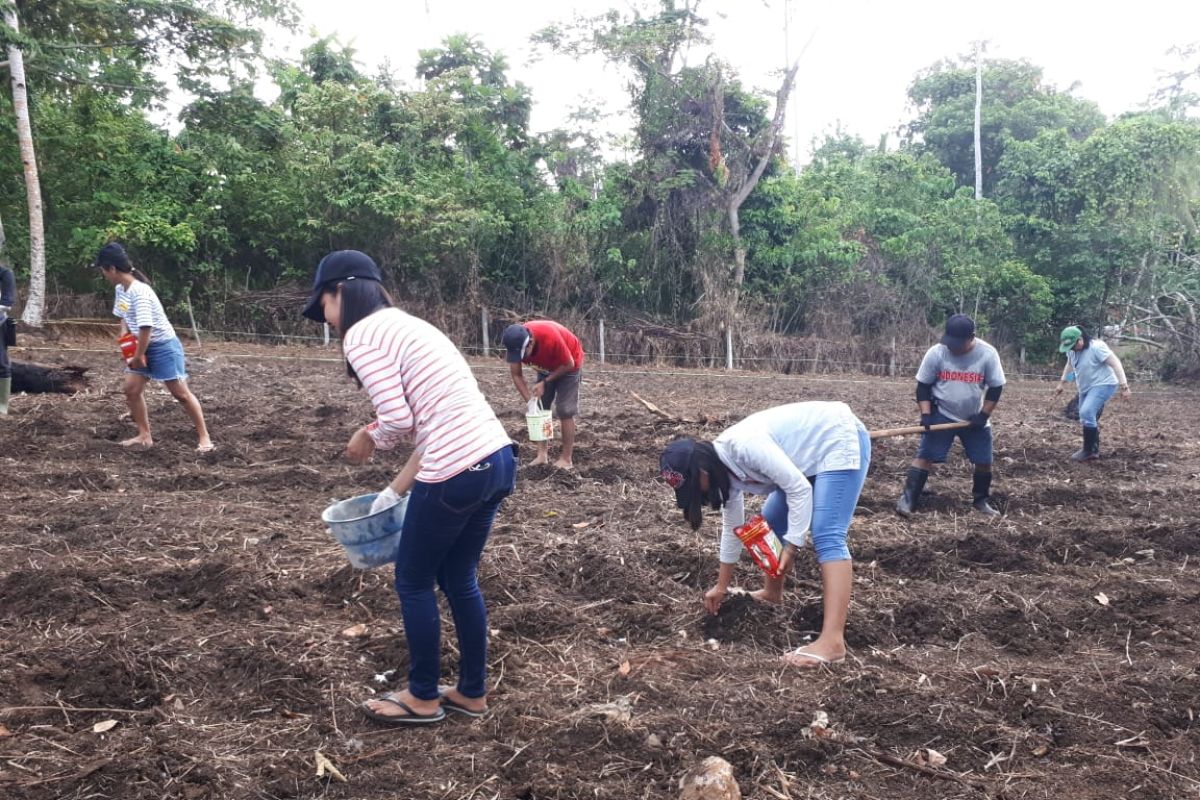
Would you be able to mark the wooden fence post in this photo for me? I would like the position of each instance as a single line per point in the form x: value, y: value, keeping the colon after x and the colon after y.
x: 729, y: 347
x: 484, y: 330
x: 892, y: 361
x: 191, y: 316
x: 602, y: 340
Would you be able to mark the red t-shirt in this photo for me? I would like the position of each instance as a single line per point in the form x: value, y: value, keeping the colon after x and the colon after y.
x: 554, y: 346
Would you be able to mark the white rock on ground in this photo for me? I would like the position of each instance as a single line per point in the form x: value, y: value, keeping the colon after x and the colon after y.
x: 712, y: 779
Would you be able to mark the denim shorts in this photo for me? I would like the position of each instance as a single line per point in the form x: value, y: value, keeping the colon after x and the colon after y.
x: 164, y: 361
x: 935, y: 445
x: 835, y: 495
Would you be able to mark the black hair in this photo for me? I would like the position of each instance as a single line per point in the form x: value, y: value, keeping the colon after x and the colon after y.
x: 1083, y: 334
x: 704, y: 457
x: 113, y: 255
x: 360, y: 299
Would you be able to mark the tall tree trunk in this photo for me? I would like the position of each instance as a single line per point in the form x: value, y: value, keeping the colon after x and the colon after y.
x: 35, y: 301
x: 978, y: 119
x: 766, y: 148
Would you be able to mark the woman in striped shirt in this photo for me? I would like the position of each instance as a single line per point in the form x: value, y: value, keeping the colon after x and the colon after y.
x: 461, y: 469
x: 159, y: 353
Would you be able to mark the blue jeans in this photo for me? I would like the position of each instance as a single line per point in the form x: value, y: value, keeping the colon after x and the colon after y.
x: 935, y: 445
x: 835, y: 494
x: 446, y: 526
x: 1091, y: 404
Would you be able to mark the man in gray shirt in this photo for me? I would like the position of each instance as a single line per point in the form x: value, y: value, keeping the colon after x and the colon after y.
x: 960, y: 380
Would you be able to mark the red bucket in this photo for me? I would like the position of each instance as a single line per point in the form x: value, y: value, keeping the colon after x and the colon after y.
x: 128, y: 344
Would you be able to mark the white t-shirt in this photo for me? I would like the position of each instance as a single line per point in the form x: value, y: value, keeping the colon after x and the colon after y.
x: 140, y: 308
x: 776, y: 449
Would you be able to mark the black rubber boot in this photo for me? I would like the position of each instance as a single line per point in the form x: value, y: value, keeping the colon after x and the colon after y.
x: 981, y: 486
x: 1091, y: 446
x: 914, y: 484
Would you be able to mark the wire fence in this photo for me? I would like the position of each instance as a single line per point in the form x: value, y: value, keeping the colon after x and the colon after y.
x: 897, y: 368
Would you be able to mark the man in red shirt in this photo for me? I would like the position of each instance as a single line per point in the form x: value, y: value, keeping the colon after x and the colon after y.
x: 558, y: 357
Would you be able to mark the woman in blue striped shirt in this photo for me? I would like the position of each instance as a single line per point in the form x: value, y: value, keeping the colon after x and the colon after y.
x: 159, y: 353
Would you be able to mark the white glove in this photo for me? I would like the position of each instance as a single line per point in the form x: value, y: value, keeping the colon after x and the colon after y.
x: 385, y: 500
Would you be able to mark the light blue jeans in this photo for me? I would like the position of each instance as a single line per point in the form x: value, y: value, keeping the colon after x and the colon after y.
x: 1091, y: 404
x: 835, y: 494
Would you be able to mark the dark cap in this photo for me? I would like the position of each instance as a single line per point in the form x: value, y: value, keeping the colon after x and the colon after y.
x: 960, y: 329
x: 674, y: 469
x: 111, y: 255
x: 341, y: 265
x: 514, y: 339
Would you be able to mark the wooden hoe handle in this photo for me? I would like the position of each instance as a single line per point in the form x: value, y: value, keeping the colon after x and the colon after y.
x: 942, y: 426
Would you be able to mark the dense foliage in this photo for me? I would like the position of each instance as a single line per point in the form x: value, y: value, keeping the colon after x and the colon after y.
x: 442, y: 180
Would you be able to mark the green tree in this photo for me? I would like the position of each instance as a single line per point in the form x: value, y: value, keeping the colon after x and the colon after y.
x: 116, y: 47
x: 1097, y: 217
x: 1017, y: 106
x: 704, y: 142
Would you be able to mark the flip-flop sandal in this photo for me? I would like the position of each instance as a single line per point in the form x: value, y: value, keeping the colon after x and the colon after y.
x: 459, y: 708
x: 819, y: 661
x: 409, y: 717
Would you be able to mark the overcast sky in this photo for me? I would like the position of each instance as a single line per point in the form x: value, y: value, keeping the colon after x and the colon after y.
x: 858, y: 55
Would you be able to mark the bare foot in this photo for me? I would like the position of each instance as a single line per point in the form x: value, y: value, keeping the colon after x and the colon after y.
x: 390, y: 708
x: 764, y: 596
x: 539, y: 460
x: 144, y: 441
x: 205, y: 446
x: 814, y: 657
x: 564, y: 464
x: 473, y: 705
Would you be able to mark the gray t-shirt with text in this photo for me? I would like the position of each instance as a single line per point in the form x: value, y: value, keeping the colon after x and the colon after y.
x: 959, y: 382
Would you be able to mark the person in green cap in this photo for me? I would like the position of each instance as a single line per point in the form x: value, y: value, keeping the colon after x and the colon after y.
x: 1098, y: 374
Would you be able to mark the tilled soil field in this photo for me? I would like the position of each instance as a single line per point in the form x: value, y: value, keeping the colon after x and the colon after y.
x: 175, y: 625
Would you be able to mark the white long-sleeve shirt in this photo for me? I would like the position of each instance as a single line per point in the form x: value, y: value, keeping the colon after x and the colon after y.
x: 776, y: 449
x: 421, y: 385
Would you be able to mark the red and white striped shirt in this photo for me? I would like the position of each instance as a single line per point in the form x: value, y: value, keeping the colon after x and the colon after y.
x: 421, y: 385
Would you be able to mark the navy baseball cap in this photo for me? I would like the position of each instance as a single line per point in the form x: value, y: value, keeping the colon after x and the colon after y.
x: 341, y: 265
x: 673, y: 468
x: 514, y: 339
x: 111, y: 255
x: 960, y: 329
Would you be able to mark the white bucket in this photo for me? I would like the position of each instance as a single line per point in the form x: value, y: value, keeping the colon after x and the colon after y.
x: 540, y: 422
